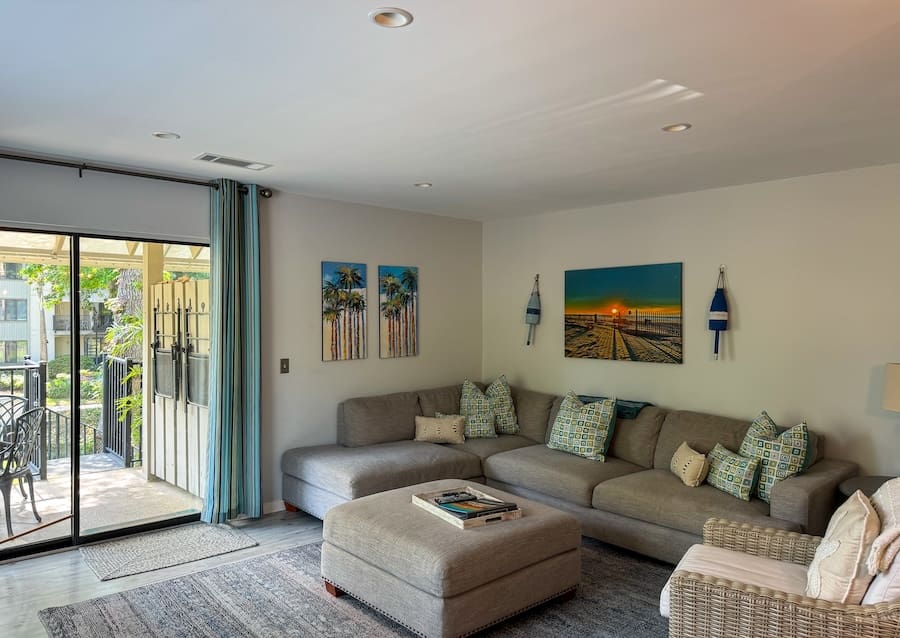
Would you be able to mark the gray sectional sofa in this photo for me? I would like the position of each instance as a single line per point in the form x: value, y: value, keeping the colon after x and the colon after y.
x: 632, y: 499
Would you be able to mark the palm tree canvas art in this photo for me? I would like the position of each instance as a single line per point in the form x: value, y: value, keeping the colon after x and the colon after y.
x: 398, y: 301
x: 343, y: 311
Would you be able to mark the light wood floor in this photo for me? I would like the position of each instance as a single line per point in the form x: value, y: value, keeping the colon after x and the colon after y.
x: 29, y: 585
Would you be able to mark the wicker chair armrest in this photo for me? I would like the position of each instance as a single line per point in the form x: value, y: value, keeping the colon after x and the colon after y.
x: 777, y: 544
x: 706, y: 606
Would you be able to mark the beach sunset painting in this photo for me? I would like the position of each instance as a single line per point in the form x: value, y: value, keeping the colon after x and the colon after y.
x: 343, y: 311
x: 626, y: 313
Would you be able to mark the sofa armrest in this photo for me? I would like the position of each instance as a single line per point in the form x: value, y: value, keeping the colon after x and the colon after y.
x: 767, y: 542
x: 809, y: 498
x: 702, y: 605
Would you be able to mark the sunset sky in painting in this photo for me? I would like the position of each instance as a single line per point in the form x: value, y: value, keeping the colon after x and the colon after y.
x: 651, y: 288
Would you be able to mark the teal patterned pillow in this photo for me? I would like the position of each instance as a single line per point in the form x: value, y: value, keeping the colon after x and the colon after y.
x: 478, y: 412
x: 583, y: 429
x: 500, y: 399
x: 780, y: 455
x: 731, y: 473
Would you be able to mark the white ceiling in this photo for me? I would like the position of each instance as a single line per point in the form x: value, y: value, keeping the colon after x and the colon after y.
x: 511, y: 107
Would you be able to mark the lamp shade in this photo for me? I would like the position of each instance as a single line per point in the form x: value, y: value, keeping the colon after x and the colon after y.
x: 891, y: 398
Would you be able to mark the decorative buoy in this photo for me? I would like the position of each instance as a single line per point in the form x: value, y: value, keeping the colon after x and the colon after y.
x: 718, y: 310
x: 533, y: 311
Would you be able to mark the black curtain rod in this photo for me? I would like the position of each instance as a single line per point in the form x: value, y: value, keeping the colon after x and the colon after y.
x: 264, y: 192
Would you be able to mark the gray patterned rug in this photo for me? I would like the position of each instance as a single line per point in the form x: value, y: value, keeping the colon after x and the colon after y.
x: 281, y: 594
x: 163, y: 548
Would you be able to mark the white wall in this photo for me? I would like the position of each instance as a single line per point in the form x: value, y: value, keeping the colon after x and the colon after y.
x: 812, y: 267
x: 52, y: 198
x: 297, y: 234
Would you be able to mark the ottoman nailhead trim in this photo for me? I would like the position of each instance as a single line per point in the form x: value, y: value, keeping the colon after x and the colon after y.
x: 468, y: 633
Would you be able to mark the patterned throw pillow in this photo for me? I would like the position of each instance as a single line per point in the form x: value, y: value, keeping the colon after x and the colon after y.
x: 731, y: 473
x: 780, y: 455
x: 583, y: 429
x: 500, y: 399
x: 476, y: 407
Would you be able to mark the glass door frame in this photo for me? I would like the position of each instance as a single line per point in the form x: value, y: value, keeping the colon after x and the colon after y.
x: 75, y: 537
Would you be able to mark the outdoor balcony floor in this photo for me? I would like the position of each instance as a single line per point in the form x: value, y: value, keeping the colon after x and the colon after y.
x: 112, y: 496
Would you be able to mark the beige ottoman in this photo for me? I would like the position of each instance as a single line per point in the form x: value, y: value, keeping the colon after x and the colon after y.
x: 442, y: 581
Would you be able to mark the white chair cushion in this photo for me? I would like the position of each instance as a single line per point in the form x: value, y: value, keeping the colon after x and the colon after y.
x: 740, y: 567
x: 885, y: 588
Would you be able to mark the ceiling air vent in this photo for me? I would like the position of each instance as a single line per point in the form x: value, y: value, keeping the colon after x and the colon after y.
x: 231, y: 161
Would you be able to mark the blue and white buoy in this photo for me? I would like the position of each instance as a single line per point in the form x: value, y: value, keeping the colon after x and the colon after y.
x: 718, y: 310
x: 533, y: 311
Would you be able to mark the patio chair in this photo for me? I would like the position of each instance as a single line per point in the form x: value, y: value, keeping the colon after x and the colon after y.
x: 11, y: 408
x: 15, y: 460
x: 721, y: 603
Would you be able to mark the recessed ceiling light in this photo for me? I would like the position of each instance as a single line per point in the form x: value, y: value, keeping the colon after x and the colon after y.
x: 390, y: 17
x: 681, y: 127
x: 166, y: 135
x: 424, y: 185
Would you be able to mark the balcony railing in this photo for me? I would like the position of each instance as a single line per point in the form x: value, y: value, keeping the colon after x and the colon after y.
x: 63, y: 323
x: 89, y: 323
x: 29, y: 382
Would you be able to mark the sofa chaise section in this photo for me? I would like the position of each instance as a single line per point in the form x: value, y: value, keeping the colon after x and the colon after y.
x: 323, y: 476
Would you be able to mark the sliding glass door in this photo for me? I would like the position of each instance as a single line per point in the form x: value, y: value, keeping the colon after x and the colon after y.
x: 114, y: 364
x: 35, y: 389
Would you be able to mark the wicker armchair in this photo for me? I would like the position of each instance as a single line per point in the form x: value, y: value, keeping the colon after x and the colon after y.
x: 703, y: 606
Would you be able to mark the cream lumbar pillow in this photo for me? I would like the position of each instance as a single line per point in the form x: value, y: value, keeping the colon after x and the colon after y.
x: 443, y: 429
x: 689, y: 465
x: 838, y: 570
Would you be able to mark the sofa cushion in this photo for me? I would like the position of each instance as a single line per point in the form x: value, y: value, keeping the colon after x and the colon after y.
x: 445, y: 399
x: 634, y: 439
x: 355, y: 472
x: 699, y: 430
x: 483, y: 448
x: 378, y: 419
x: 658, y: 496
x: 533, y: 412
x: 554, y: 473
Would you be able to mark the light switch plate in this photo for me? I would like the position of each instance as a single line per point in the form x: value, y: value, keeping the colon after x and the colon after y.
x: 285, y: 366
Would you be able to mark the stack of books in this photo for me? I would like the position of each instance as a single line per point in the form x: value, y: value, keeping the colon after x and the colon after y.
x: 467, y: 507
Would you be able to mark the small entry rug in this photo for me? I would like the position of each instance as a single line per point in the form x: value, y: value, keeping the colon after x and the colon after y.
x: 281, y: 594
x: 163, y: 548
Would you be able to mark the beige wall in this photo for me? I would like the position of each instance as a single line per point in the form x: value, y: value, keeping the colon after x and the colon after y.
x: 297, y: 234
x: 813, y: 268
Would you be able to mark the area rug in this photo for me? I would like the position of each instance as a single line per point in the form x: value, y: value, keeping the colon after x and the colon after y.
x: 163, y: 548
x: 281, y: 594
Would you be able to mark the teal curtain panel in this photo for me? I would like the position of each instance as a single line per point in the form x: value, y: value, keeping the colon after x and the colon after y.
x: 234, y: 477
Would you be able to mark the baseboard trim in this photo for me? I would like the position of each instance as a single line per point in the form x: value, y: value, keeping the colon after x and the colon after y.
x: 273, y: 506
